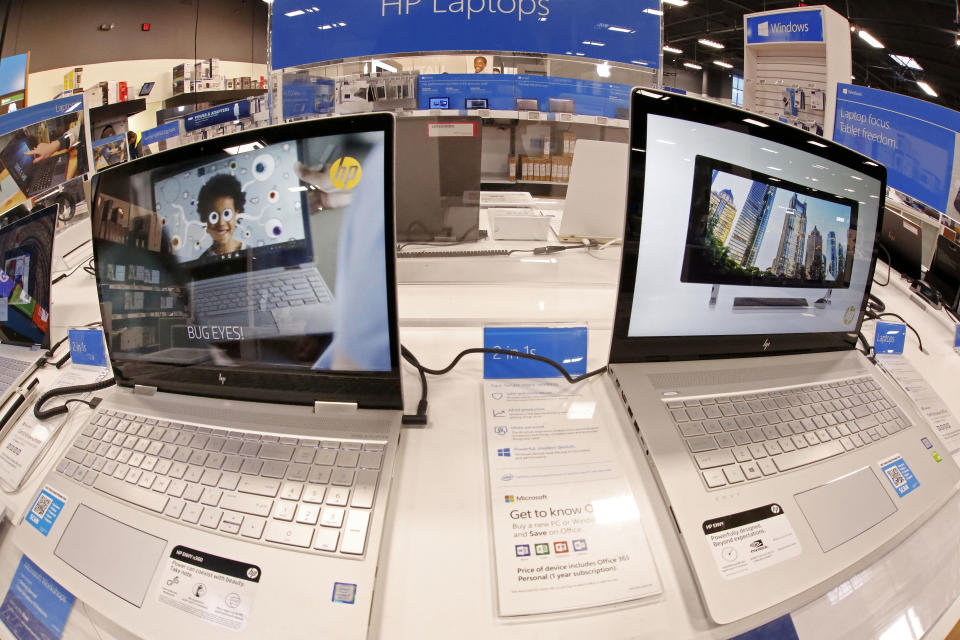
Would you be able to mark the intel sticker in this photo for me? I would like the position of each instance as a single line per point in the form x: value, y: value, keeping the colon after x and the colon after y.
x: 87, y: 347
x: 45, y: 510
x: 565, y: 345
x: 899, y: 475
x: 344, y: 592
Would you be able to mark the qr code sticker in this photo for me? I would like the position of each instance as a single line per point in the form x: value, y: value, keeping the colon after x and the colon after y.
x: 895, y: 477
x: 41, y: 505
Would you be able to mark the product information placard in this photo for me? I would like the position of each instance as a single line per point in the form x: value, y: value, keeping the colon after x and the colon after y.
x: 601, y: 29
x: 566, y: 528
x: 35, y: 607
x: 944, y: 423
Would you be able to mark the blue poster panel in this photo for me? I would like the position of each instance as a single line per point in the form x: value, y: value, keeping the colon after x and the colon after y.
x: 789, y: 26
x: 305, y: 33
x: 915, y: 139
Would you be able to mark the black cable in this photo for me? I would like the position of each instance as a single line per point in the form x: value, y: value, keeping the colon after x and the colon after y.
x: 876, y: 304
x: 420, y: 418
x: 883, y: 284
x: 877, y: 316
x: 866, y: 344
x: 82, y: 265
x: 43, y: 414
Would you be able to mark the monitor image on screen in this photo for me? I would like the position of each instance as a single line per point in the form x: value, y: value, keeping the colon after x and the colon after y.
x: 748, y: 228
x: 26, y: 252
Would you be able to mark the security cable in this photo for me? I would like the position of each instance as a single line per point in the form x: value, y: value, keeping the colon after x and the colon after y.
x: 883, y: 284
x: 420, y: 418
x: 876, y: 316
x: 42, y: 414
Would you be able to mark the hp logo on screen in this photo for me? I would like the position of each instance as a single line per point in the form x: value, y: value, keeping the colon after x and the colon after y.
x: 766, y: 344
x: 221, y: 378
x: 345, y: 173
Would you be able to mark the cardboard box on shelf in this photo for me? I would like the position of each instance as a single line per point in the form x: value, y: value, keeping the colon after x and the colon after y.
x: 122, y: 91
x: 569, y: 142
x: 72, y: 79
x: 93, y: 97
x: 245, y: 83
x: 512, y: 168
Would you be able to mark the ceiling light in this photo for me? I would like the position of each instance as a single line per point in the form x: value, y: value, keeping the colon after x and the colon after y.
x: 906, y: 61
x: 713, y: 44
x: 670, y: 49
x: 655, y: 12
x: 621, y: 29
x: 869, y: 39
x: 721, y: 63
x: 692, y: 65
x: 758, y: 124
x: 677, y: 3
x: 817, y: 144
x: 927, y: 89
x: 595, y: 44
x: 293, y: 14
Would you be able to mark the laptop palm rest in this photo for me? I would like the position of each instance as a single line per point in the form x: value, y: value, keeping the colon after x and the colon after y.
x: 117, y: 557
x: 846, y: 507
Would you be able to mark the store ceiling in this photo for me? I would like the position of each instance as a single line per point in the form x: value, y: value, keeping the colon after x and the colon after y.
x: 925, y: 30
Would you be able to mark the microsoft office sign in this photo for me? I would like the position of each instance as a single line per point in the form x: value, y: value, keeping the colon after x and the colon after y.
x: 789, y: 26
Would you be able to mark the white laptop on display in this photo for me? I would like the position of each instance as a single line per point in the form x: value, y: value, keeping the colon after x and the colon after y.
x: 247, y: 490
x: 786, y: 459
x: 26, y: 248
x: 593, y: 208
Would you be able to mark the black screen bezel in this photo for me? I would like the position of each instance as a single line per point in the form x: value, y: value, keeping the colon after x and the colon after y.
x: 947, y: 283
x: 369, y: 389
x: 906, y: 263
x: 623, y: 348
x: 702, y: 170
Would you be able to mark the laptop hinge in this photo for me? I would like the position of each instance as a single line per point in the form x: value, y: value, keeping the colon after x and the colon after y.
x: 321, y: 407
x: 144, y: 390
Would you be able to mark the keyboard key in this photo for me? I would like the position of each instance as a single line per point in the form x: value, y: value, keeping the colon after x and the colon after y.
x: 750, y: 470
x: 210, y: 518
x: 259, y: 486
x: 252, y: 528
x: 211, y: 497
x: 767, y: 466
x: 280, y: 452
x: 191, y: 513
x: 291, y: 490
x: 307, y: 514
x: 757, y: 450
x: 296, y: 535
x: 193, y: 492
x: 284, y: 510
x: 733, y: 474
x: 320, y: 475
x: 703, y: 443
x: 274, y: 469
x: 741, y: 438
x: 364, y: 489
x: 326, y: 539
x: 304, y: 455
x: 250, y: 504
x: 355, y: 532
x: 712, y: 459
x: 331, y: 517
x: 174, y: 508
x: 714, y: 478
x: 725, y: 440
x: 141, y: 497
x: 342, y: 477
x: 812, y: 454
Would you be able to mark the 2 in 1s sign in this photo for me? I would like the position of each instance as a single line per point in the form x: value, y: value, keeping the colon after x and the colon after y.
x: 791, y: 26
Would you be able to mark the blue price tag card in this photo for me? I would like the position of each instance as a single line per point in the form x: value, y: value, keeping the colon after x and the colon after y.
x: 87, y: 347
x: 35, y: 607
x: 890, y: 337
x: 564, y: 345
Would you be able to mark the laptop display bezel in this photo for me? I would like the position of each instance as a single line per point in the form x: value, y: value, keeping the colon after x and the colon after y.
x: 369, y: 389
x: 624, y: 348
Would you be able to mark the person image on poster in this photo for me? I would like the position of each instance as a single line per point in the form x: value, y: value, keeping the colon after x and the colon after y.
x: 220, y: 202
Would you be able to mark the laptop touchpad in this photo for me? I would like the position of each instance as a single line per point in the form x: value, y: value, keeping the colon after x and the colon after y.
x: 843, y: 509
x: 119, y: 558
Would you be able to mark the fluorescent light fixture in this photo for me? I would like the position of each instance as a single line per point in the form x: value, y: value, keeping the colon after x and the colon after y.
x: 692, y: 65
x: 857, y: 178
x: 775, y: 179
x: 603, y: 70
x: 300, y: 188
x: 649, y: 94
x: 768, y: 150
x: 383, y: 65
x: 713, y: 44
x: 721, y: 63
x: 757, y: 123
x: 580, y: 54
x: 819, y: 166
x: 775, y: 168
x: 906, y: 61
x: 655, y: 12
x: 927, y: 89
x: 670, y: 49
x: 665, y: 141
x: 595, y: 44
x: 621, y: 29
x: 641, y: 63
x: 850, y: 190
x: 869, y: 39
x: 817, y: 144
x: 677, y: 3
x: 871, y: 163
x: 294, y: 14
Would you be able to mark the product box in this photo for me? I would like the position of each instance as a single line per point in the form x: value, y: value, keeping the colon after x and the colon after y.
x: 113, y: 91
x: 214, y: 65
x: 512, y: 168
x: 122, y: 91
x: 201, y: 69
x: 93, y: 97
x: 72, y: 79
x: 229, y: 84
x: 182, y: 78
x: 569, y: 142
x: 245, y: 83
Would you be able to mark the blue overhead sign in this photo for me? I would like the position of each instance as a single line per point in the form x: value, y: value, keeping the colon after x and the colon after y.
x: 915, y: 139
x: 163, y: 132
x: 604, y: 29
x: 217, y: 115
x: 789, y: 26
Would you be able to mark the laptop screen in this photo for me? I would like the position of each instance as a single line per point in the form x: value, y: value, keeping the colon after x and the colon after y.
x: 944, y: 273
x: 16, y: 159
x: 257, y: 265
x: 901, y: 244
x: 741, y: 228
x: 26, y: 248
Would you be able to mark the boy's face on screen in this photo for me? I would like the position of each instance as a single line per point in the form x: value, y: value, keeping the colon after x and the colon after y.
x: 222, y: 221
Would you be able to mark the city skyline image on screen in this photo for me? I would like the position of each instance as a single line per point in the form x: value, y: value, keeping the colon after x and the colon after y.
x: 747, y: 228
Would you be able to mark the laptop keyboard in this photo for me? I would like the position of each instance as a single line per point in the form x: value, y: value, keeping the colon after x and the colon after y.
x: 42, y: 176
x: 10, y: 370
x: 743, y: 438
x: 314, y: 495
x: 262, y: 293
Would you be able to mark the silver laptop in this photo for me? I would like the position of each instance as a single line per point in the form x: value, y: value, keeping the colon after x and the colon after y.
x: 593, y: 209
x: 207, y: 497
x: 26, y: 248
x: 786, y: 459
